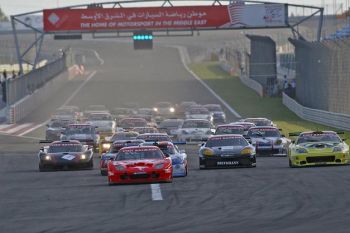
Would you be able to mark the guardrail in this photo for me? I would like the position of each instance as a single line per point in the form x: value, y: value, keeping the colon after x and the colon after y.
x: 336, y: 120
x: 25, y: 84
x: 252, y: 84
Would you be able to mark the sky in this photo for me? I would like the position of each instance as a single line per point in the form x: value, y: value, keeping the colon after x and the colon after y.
x: 11, y: 7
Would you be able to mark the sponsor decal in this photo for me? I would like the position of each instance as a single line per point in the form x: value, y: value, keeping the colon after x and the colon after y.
x: 224, y: 163
x: 68, y: 157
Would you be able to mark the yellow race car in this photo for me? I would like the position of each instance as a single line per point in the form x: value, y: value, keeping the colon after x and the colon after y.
x: 317, y: 148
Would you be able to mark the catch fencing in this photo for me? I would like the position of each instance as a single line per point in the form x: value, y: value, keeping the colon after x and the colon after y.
x: 19, y: 87
x: 323, y: 74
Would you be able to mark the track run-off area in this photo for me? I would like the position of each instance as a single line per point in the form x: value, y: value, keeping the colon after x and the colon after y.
x: 271, y: 198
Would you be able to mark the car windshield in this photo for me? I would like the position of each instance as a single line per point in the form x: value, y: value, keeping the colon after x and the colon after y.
x: 100, y: 117
x: 196, y: 124
x: 132, y: 123
x: 82, y: 130
x: 229, y: 130
x: 199, y: 111
x: 324, y: 137
x: 260, y: 122
x: 168, y: 150
x: 58, y: 124
x: 155, y: 138
x: 163, y: 105
x: 214, y: 108
x: 139, y: 155
x: 231, y: 141
x: 171, y: 124
x: 254, y: 133
x: 124, y: 136
x: 62, y: 148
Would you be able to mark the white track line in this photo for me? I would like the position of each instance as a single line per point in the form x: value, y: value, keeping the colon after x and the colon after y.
x: 79, y: 88
x: 98, y: 57
x: 32, y: 129
x: 156, y: 192
x: 17, y: 128
x: 182, y: 51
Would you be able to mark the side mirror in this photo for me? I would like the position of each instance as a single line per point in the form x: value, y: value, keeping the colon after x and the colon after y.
x: 344, y: 139
x: 166, y: 155
x: 47, y: 125
x: 283, y: 136
x: 182, y: 151
x: 293, y: 141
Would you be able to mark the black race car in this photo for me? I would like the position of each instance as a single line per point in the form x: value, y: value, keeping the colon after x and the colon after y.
x: 225, y: 151
x: 64, y: 155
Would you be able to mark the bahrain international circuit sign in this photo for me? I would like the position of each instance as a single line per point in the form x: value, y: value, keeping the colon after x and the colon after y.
x: 234, y: 16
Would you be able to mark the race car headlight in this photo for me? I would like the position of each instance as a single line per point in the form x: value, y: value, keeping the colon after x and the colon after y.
x: 278, y: 142
x: 120, y: 168
x: 172, y: 109
x: 155, y: 109
x: 159, y: 166
x: 83, y: 156
x: 106, y: 146
x: 301, y: 150
x: 338, y: 149
x: 207, y: 152
x: 47, y: 157
x: 247, y: 151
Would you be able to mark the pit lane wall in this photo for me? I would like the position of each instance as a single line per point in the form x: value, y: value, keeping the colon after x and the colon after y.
x: 30, y: 102
x: 252, y: 84
x: 336, y: 120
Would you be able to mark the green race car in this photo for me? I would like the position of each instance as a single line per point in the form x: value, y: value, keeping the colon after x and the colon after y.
x: 318, y: 148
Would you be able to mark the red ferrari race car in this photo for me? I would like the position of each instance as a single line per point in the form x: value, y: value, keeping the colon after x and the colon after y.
x: 140, y: 164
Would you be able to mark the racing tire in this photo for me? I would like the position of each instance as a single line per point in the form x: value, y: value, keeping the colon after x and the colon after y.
x: 42, y: 168
x: 291, y: 164
x: 90, y: 165
x: 104, y: 173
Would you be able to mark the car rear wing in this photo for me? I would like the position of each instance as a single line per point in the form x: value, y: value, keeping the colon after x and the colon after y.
x: 45, y: 141
x: 294, y: 134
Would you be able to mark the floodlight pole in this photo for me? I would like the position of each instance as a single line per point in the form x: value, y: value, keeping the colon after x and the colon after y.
x: 320, y: 25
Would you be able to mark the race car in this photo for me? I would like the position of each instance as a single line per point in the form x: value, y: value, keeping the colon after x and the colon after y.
x: 195, y: 130
x: 219, y: 116
x: 154, y: 137
x: 105, y: 144
x: 129, y: 123
x: 103, y: 122
x: 268, y: 141
x: 170, y: 126
x: 317, y: 148
x: 164, y: 109
x: 84, y: 133
x: 226, y: 151
x: 246, y: 125
x: 140, y: 164
x: 65, y: 114
x: 229, y: 129
x: 120, y: 113
x: 65, y: 154
x: 259, y: 121
x: 145, y: 113
x: 95, y: 108
x: 184, y: 107
x: 178, y: 157
x: 199, y: 113
x: 112, y: 152
x: 142, y: 130
x: 56, y: 127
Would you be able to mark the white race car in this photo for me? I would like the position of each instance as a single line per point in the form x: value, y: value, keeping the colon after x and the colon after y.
x: 268, y: 141
x: 199, y: 113
x: 195, y: 130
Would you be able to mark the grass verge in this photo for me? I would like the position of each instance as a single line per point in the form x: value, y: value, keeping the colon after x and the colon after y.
x: 248, y: 104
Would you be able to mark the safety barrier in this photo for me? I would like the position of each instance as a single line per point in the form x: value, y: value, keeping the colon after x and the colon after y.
x: 336, y: 120
x: 252, y: 84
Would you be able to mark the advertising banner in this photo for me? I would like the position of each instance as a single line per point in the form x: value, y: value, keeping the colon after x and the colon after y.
x: 164, y: 18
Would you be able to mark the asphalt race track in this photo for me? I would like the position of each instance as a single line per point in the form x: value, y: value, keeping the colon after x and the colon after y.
x: 271, y: 198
